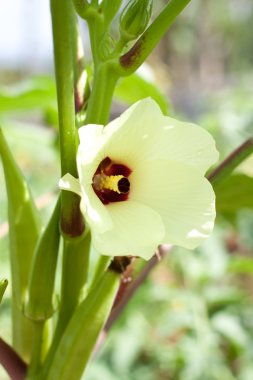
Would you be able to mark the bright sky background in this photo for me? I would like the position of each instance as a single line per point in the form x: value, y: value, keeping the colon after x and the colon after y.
x: 25, y: 35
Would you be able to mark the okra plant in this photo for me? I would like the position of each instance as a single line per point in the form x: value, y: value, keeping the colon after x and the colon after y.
x: 127, y: 186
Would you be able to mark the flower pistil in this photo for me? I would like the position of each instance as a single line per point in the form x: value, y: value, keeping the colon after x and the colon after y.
x: 110, y: 181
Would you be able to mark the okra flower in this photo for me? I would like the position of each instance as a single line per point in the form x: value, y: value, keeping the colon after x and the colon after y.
x: 141, y: 182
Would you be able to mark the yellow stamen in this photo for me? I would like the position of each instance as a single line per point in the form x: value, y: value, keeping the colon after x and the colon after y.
x: 103, y: 182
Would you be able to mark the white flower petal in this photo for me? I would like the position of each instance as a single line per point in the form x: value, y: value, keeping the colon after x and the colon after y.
x: 186, y: 143
x: 130, y: 135
x: 142, y: 132
x: 168, y: 159
x: 70, y: 183
x: 95, y: 212
x: 137, y: 230
x: 90, y: 144
x: 90, y: 151
x: 92, y: 208
x: 90, y: 132
x: 184, y: 199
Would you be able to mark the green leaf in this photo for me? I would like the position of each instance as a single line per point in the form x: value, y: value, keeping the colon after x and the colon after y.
x: 3, y: 286
x: 234, y: 193
x: 24, y: 231
x: 35, y: 93
x: 230, y: 327
x: 218, y: 297
x: 133, y: 88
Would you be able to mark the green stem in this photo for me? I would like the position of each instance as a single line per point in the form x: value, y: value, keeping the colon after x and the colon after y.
x: 99, y: 105
x: 105, y: 76
x: 64, y: 34
x: 96, y: 31
x: 74, y: 276
x: 38, y: 330
x: 231, y: 162
x: 63, y: 23
x: 76, y: 251
x: 130, y: 61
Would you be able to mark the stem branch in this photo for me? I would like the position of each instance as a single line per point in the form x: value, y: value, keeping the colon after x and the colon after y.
x: 227, y: 166
x: 99, y: 104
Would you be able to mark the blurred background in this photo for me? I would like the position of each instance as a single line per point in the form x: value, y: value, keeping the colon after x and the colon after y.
x: 193, y: 318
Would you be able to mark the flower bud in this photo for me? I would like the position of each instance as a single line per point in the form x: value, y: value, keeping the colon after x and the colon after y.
x: 135, y: 17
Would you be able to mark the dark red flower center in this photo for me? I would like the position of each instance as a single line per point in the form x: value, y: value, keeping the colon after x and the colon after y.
x: 110, y: 181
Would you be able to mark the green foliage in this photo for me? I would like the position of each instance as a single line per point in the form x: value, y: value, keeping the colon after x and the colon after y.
x: 34, y: 93
x: 241, y: 265
x: 234, y: 194
x: 134, y: 87
x: 201, y: 319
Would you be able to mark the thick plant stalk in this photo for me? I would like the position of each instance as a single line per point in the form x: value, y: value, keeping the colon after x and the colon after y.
x: 64, y: 34
x: 67, y: 56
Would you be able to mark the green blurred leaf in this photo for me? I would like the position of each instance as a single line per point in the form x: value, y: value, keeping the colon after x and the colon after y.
x: 133, y: 88
x: 35, y: 93
x: 241, y: 265
x: 50, y: 116
x: 234, y: 193
x: 24, y: 231
x: 230, y: 327
x: 219, y: 297
x: 128, y: 342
